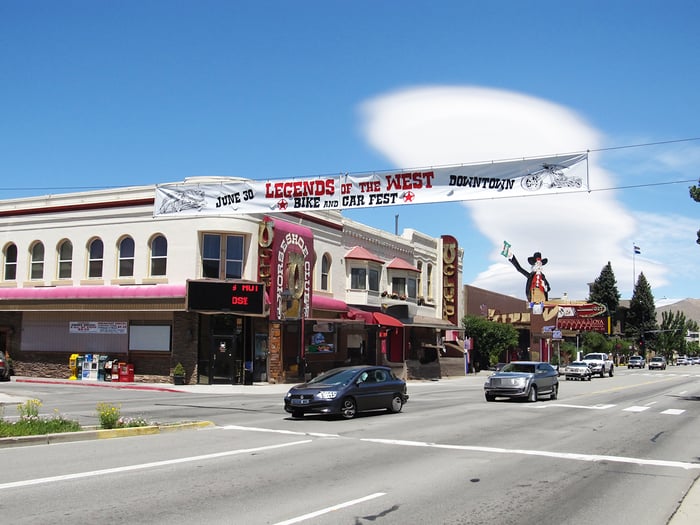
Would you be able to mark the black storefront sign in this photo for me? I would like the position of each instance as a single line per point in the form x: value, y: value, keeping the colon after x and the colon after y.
x: 240, y: 297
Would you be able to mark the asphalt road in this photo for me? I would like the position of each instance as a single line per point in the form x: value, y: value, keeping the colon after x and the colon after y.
x: 613, y: 450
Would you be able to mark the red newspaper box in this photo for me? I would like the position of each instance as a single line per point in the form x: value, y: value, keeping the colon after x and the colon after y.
x: 126, y: 373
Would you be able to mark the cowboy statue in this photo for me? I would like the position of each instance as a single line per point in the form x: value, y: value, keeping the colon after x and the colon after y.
x: 537, y: 287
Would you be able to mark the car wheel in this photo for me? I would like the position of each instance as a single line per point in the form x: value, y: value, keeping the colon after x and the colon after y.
x: 602, y: 372
x: 532, y: 394
x: 555, y: 392
x: 297, y: 414
x: 567, y: 378
x: 348, y: 409
x: 489, y: 397
x: 589, y: 377
x: 396, y: 404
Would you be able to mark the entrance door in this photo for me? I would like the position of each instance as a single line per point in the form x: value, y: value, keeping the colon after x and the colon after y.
x: 226, y: 360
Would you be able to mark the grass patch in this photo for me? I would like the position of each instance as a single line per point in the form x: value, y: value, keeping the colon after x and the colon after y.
x: 30, y: 424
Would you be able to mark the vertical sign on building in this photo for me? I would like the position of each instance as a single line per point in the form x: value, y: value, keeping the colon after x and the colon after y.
x: 450, y: 276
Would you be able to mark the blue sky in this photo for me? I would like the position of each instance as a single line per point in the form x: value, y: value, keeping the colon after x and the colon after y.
x: 102, y: 94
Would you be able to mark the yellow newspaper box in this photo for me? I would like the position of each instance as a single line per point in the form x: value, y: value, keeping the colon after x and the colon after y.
x: 73, y: 364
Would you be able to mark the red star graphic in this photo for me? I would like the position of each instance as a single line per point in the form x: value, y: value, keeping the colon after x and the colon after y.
x: 282, y: 205
x: 409, y: 196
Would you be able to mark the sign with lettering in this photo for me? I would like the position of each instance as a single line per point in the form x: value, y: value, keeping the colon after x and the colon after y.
x: 492, y: 180
x: 226, y: 297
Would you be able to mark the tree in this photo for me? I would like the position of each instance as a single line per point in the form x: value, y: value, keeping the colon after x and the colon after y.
x: 641, y: 316
x: 604, y: 290
x: 671, y: 336
x: 695, y: 195
x: 490, y: 338
x: 595, y: 342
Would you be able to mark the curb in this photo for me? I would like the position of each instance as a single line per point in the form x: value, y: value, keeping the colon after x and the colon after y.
x: 87, y: 435
x: 99, y: 384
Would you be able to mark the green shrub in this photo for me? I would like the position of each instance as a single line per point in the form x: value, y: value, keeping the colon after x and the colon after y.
x: 109, y: 415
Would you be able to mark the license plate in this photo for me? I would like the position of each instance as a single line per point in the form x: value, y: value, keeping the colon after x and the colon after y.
x: 300, y: 401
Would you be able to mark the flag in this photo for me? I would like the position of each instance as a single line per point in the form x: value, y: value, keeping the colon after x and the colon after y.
x: 637, y: 251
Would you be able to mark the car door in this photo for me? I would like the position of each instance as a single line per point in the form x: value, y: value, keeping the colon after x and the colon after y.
x: 371, y: 391
x: 545, y: 378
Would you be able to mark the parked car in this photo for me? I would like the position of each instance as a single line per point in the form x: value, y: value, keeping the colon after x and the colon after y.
x: 523, y: 379
x: 682, y: 360
x: 695, y: 360
x: 578, y: 370
x: 636, y: 361
x: 657, y: 362
x: 346, y: 391
x: 5, y: 368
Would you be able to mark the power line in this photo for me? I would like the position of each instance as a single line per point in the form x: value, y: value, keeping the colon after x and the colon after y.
x: 611, y: 148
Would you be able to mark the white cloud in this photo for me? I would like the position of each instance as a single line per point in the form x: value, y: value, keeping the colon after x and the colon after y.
x: 579, y: 233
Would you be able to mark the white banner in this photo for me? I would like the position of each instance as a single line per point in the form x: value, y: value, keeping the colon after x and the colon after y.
x: 456, y: 183
x: 97, y: 327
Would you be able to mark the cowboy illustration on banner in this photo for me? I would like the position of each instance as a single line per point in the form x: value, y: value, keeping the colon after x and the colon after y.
x: 537, y: 287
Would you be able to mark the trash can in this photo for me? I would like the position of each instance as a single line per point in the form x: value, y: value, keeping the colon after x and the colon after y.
x: 126, y: 373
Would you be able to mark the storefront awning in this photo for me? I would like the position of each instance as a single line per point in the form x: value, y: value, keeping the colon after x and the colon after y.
x: 360, y: 315
x: 320, y: 302
x: 94, y: 292
x: 422, y: 321
x: 387, y: 320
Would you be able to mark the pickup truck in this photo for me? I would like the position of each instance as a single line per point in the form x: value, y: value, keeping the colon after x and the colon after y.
x: 599, y: 363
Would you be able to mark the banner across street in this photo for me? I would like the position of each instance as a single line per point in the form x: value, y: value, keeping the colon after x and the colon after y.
x: 226, y: 196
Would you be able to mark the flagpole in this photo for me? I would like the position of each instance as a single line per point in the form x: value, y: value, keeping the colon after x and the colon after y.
x: 634, y: 271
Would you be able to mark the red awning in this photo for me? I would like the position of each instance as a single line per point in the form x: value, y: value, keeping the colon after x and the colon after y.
x: 387, y: 320
x: 360, y: 315
x: 320, y: 302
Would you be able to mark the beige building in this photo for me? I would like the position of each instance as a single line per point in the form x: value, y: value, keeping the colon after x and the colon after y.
x: 95, y: 273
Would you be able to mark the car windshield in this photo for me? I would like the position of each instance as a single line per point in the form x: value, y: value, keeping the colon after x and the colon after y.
x: 334, y: 377
x: 519, y: 367
x: 657, y: 358
x: 594, y: 356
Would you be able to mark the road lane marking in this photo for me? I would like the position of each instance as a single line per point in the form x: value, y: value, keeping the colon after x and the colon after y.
x: 144, y: 466
x: 277, y: 431
x: 557, y: 455
x: 564, y: 405
x: 673, y: 411
x: 330, y: 509
x: 635, y: 409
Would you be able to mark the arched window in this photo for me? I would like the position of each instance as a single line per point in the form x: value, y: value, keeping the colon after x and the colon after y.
x: 95, y: 259
x: 325, y: 271
x: 419, y: 266
x: 126, y: 257
x: 65, y: 260
x: 10, y: 262
x: 36, y: 262
x: 159, y: 255
x: 429, y: 291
